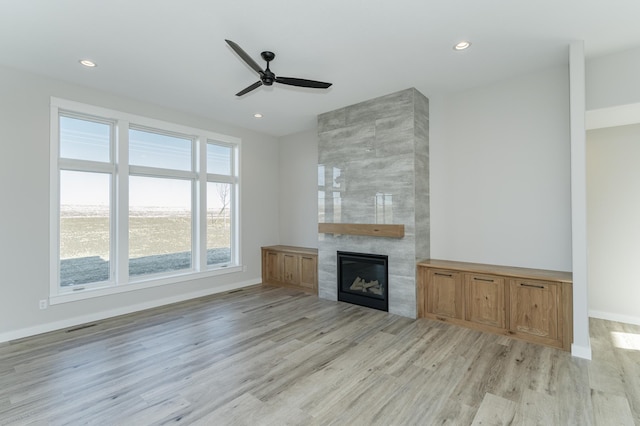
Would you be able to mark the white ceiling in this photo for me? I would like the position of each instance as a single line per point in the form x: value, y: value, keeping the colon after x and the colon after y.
x: 172, y: 52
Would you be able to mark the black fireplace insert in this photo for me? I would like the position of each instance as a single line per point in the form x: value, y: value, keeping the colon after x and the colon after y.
x: 362, y: 279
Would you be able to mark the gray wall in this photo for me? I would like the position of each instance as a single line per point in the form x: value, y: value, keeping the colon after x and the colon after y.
x: 24, y: 224
x: 612, y: 80
x: 500, y: 173
x: 298, y: 189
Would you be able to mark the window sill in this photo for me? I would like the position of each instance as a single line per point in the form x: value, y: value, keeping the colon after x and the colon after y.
x: 89, y: 293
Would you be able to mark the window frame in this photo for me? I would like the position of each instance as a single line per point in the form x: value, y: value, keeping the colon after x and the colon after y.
x: 232, y: 179
x: 88, y: 166
x: 120, y: 170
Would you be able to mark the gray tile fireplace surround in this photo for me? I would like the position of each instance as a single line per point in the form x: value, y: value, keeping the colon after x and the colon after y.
x: 373, y: 167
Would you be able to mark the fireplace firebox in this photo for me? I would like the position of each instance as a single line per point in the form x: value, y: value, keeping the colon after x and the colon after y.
x: 362, y: 279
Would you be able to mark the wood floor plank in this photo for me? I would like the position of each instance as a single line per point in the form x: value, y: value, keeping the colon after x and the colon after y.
x: 268, y: 355
x: 573, y: 392
x: 608, y: 407
x: 629, y: 361
x: 488, y: 369
x: 495, y: 411
x: 425, y: 392
x: 453, y: 413
x: 521, y: 360
x: 537, y: 409
x: 249, y: 410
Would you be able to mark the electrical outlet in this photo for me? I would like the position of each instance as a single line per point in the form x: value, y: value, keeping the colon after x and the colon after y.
x: 43, y: 304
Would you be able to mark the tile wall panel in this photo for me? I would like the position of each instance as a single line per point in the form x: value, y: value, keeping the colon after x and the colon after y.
x: 374, y: 161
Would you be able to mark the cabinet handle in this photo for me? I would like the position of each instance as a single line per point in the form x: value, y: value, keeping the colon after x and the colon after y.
x: 483, y: 279
x: 442, y: 275
x: 531, y: 285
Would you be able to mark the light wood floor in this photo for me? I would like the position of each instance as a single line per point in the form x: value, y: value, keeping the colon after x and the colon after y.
x: 277, y: 356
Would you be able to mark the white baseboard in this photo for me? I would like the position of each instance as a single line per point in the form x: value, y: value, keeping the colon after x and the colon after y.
x: 615, y: 317
x: 71, y: 322
x: 581, y: 351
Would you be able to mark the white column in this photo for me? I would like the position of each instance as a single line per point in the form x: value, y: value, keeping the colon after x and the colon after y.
x: 577, y: 104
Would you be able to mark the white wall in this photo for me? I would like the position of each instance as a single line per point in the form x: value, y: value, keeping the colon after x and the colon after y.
x: 24, y: 214
x: 500, y: 173
x: 299, y: 189
x: 613, y: 207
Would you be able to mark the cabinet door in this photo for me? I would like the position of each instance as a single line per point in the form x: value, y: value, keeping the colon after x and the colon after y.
x: 534, y: 308
x: 444, y: 293
x: 290, y: 268
x: 274, y: 268
x: 485, y: 302
x: 308, y: 272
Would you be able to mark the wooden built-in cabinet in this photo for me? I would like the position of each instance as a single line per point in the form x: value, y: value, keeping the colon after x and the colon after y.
x: 530, y: 304
x: 289, y: 266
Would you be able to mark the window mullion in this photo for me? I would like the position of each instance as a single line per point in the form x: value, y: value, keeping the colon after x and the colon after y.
x: 236, y: 256
x: 201, y: 183
x: 212, y: 177
x: 54, y: 211
x: 156, y: 171
x: 86, y: 166
x: 122, y: 203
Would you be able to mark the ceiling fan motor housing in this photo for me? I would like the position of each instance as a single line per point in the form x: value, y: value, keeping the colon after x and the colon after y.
x: 268, y: 56
x: 268, y: 77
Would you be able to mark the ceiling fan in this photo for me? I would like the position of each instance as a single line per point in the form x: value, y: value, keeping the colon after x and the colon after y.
x: 267, y: 77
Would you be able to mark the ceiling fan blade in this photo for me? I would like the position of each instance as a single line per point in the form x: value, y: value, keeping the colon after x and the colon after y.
x: 250, y: 88
x: 301, y: 82
x: 245, y: 57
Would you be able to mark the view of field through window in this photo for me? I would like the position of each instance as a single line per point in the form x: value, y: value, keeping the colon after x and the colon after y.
x: 161, y: 220
x: 84, y: 236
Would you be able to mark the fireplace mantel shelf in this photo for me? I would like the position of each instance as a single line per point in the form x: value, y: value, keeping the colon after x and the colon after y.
x: 367, y: 229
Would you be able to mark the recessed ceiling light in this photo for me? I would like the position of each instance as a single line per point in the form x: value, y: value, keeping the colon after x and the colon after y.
x: 257, y: 115
x: 462, y: 45
x: 87, y: 63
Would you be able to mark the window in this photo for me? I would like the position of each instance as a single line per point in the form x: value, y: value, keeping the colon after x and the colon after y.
x: 161, y: 183
x: 86, y: 178
x: 220, y: 199
x: 137, y: 202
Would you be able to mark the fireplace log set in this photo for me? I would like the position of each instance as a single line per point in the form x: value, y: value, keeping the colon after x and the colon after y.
x: 366, y: 286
